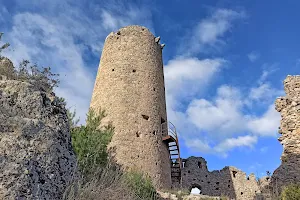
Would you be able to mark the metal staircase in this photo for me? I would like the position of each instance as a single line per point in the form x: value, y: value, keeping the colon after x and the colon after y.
x: 171, y: 139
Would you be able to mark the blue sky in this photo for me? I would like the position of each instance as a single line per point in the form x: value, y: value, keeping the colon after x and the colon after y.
x: 224, y: 64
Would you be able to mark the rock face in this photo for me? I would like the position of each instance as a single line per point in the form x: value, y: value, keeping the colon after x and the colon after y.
x: 229, y: 181
x: 289, y: 108
x: 36, y: 156
x: 6, y: 69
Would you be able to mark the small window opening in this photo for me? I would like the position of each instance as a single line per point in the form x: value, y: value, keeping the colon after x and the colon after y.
x: 234, y: 173
x: 208, y: 182
x: 199, y: 165
x: 217, y: 188
x: 119, y: 33
x: 194, y: 179
x: 137, y: 134
x: 154, y: 132
x: 189, y: 171
x: 162, y: 120
x: 205, y: 176
x: 145, y: 117
x: 153, y: 89
x: 117, y: 38
x: 113, y: 70
x: 228, y: 186
x: 196, y: 190
x: 242, y: 193
x: 248, y: 178
x: 134, y: 70
x: 228, y: 181
x: 217, y: 183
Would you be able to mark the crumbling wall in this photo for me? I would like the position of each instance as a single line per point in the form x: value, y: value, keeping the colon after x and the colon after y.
x: 289, y: 108
x: 36, y: 156
x: 229, y: 181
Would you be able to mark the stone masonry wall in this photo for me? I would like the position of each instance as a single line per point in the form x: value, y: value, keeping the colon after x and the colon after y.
x: 130, y: 87
x: 229, y: 181
x: 289, y: 108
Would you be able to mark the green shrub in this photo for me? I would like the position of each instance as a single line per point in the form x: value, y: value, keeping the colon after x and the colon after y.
x: 90, y: 143
x: 291, y: 192
x: 140, y: 184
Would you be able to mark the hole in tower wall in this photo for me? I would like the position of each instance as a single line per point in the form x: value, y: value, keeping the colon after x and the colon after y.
x: 134, y: 70
x: 113, y: 70
x: 154, y: 132
x: 146, y: 117
x: 234, y: 173
x: 199, y: 165
x: 162, y: 120
x: 118, y: 33
x: 137, y: 134
x: 153, y: 89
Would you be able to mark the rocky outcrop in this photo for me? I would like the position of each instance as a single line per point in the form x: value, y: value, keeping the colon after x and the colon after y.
x: 36, y: 156
x: 289, y: 108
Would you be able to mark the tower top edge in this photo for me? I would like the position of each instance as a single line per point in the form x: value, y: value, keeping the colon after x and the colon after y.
x: 130, y: 29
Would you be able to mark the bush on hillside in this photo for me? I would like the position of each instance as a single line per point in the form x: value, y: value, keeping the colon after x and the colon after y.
x: 291, y: 192
x: 140, y: 184
x: 101, y: 178
x: 90, y: 143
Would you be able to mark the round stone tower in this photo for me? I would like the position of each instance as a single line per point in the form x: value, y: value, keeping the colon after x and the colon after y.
x: 130, y: 88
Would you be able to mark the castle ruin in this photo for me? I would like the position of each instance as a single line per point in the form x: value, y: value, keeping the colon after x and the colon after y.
x: 229, y: 181
x: 130, y: 87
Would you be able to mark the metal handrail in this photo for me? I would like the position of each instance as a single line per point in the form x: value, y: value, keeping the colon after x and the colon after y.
x: 173, y: 133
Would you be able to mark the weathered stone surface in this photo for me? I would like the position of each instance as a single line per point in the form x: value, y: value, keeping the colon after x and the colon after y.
x: 229, y: 181
x: 36, y: 156
x: 6, y: 68
x: 130, y: 87
x: 289, y: 108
